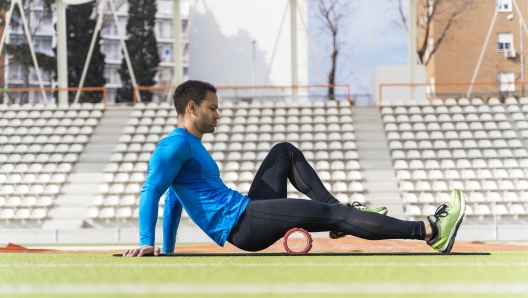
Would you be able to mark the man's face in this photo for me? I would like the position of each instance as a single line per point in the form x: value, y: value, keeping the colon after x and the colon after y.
x: 207, y: 115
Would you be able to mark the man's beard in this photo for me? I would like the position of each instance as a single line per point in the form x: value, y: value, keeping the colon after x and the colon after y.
x: 205, y: 125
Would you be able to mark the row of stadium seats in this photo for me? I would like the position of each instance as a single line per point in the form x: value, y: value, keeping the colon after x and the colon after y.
x: 446, y: 126
x: 33, y: 125
x: 495, y: 136
x: 456, y: 110
x: 50, y: 115
x: 286, y: 120
x: 52, y: 107
x: 454, y: 102
x: 39, y: 140
x: 12, y: 178
x: 266, y: 146
x: 486, y: 118
x: 37, y: 148
x: 453, y: 135
x: 26, y: 201
x: 23, y: 214
x: 43, y: 157
x: 455, y: 153
x: 464, y: 174
x: 29, y: 189
x: 469, y: 185
x: 291, y: 128
x: 280, y: 137
x: 454, y: 144
x: 46, y: 130
x: 245, y: 105
x: 246, y: 120
x: 37, y: 167
x: 475, y: 210
x: 472, y: 197
x: 459, y: 164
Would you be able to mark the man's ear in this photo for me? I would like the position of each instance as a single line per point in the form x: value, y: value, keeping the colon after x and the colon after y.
x: 192, y: 107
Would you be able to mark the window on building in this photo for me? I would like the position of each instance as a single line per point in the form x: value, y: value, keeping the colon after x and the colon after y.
x: 43, y: 44
x: 504, y: 41
x: 506, y: 80
x: 112, y: 51
x: 15, y: 72
x: 504, y: 5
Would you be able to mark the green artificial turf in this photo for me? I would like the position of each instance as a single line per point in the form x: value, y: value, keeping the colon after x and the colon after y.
x: 101, y: 275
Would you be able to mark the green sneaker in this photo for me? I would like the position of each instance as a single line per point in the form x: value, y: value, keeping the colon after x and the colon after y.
x: 447, y: 220
x: 361, y: 207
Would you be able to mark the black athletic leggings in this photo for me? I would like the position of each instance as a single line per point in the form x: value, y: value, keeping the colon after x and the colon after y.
x: 269, y: 214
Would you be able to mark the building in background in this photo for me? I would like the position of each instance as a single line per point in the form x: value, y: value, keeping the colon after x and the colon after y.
x: 43, y: 34
x: 44, y: 40
x: 111, y: 46
x: 457, y: 59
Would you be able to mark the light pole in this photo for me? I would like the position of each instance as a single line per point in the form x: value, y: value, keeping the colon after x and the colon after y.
x: 510, y: 17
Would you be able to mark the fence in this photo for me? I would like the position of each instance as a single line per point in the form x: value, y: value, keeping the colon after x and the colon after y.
x: 33, y: 95
x: 484, y: 90
x: 250, y: 94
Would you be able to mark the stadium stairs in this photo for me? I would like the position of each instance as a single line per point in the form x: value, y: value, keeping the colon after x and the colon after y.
x: 81, y: 186
x: 379, y: 179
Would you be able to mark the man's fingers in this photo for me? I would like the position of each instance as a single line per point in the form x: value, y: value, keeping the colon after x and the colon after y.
x: 133, y: 253
x: 145, y: 250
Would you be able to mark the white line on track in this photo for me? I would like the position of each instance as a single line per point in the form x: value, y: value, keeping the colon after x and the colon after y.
x: 136, y: 265
x: 264, y: 288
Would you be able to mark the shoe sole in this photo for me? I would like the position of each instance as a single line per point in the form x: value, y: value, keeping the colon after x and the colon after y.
x: 453, y: 232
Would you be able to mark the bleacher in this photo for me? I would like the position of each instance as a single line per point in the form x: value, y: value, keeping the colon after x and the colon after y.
x: 480, y: 148
x: 245, y: 134
x: 38, y: 147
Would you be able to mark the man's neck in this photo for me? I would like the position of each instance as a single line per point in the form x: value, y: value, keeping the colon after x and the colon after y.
x: 191, y: 129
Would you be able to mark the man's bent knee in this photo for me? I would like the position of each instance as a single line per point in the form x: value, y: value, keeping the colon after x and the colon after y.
x: 285, y: 146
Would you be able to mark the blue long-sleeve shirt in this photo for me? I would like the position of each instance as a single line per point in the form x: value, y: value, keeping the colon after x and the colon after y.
x: 182, y: 163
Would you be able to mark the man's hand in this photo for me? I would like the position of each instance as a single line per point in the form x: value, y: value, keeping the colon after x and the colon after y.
x: 141, y: 251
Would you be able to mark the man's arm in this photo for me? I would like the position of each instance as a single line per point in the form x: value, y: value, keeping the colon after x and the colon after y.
x: 165, y: 163
x: 171, y: 220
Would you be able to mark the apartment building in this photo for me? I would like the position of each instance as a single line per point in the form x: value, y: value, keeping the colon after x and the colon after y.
x: 44, y: 39
x: 111, y: 46
x: 456, y: 61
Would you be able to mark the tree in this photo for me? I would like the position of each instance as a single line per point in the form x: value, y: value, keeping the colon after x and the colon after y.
x: 79, y: 36
x: 142, y: 48
x: 332, y: 14
x: 446, y: 15
x: 19, y: 52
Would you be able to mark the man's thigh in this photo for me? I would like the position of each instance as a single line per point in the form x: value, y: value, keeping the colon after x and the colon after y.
x: 271, y: 179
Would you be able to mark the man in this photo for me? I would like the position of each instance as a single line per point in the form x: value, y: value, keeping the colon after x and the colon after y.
x: 182, y: 165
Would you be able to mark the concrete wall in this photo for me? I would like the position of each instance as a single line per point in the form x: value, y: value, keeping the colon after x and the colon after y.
x: 397, y: 75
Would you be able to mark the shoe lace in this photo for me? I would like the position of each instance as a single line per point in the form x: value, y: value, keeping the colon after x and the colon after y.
x: 441, y: 211
x: 357, y: 205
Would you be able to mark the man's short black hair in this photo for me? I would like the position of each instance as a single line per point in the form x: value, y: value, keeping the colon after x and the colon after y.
x: 190, y: 90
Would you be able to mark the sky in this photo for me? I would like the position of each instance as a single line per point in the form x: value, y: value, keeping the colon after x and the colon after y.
x: 389, y: 46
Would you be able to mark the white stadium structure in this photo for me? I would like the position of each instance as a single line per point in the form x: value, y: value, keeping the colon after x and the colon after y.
x: 72, y: 171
